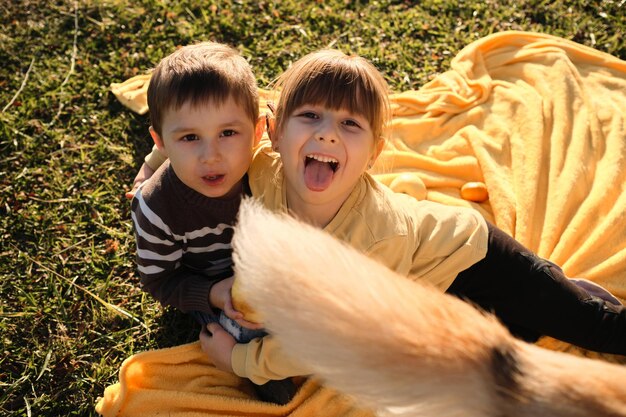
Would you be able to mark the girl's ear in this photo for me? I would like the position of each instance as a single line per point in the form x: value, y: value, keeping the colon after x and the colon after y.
x: 270, y: 125
x: 378, y: 148
x: 158, y: 141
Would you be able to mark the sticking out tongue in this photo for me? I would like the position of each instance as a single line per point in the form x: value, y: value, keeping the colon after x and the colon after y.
x: 317, y: 175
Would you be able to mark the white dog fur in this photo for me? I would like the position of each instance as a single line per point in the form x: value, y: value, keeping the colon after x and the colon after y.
x: 399, y: 347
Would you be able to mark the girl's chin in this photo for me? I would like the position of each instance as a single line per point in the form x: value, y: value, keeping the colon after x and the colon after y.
x: 316, y: 189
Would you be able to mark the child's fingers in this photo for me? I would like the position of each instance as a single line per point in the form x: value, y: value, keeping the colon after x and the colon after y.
x: 230, y: 311
x: 130, y: 194
x: 212, y: 328
x: 204, y: 337
x: 233, y: 314
x: 249, y: 324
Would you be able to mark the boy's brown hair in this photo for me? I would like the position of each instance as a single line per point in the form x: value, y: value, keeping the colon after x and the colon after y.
x: 200, y: 73
x: 338, y: 81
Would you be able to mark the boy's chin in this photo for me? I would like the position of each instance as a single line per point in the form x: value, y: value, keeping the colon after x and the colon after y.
x: 211, y: 192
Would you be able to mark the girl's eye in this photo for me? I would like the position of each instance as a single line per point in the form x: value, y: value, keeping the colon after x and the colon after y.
x: 189, y: 138
x: 228, y: 132
x: 309, y: 115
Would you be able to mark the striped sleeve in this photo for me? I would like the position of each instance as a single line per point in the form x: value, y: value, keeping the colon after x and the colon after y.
x: 159, y: 259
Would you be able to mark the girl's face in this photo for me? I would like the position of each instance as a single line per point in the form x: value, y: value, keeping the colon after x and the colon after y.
x: 324, y: 152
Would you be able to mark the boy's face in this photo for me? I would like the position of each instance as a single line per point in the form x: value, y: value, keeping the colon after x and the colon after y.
x: 209, y: 145
x: 324, y: 152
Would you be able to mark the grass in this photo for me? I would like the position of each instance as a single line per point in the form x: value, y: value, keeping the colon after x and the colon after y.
x: 70, y: 307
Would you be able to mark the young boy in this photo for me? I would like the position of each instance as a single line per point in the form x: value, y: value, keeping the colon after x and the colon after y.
x: 204, y: 114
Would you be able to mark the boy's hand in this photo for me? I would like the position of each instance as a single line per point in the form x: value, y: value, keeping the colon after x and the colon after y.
x: 230, y: 312
x: 218, y: 345
x: 220, y: 297
x: 144, y: 173
x: 220, y: 294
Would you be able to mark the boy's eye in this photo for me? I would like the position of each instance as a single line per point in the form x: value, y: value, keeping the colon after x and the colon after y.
x: 189, y: 138
x: 351, y: 123
x: 228, y: 132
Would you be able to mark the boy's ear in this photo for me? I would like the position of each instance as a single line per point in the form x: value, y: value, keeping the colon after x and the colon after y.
x: 158, y: 141
x: 259, y: 129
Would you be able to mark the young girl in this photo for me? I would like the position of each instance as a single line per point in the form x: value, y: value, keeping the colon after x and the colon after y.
x: 328, y: 130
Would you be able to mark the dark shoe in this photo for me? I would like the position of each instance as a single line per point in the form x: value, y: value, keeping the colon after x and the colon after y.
x: 596, y: 290
x: 276, y: 391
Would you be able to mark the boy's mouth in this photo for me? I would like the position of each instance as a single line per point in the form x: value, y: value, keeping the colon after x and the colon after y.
x: 319, y: 171
x: 213, y: 179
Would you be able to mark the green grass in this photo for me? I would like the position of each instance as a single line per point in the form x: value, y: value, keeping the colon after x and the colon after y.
x: 70, y: 307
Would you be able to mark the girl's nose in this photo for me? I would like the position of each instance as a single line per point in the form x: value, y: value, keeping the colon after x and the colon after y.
x: 326, y: 138
x: 327, y: 133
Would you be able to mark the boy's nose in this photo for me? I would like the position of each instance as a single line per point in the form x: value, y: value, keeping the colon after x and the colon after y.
x: 210, y: 151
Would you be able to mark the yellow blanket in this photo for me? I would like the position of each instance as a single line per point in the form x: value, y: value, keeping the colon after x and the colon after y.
x: 538, y: 119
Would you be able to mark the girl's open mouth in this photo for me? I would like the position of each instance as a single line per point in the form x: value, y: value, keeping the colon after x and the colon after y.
x: 319, y: 171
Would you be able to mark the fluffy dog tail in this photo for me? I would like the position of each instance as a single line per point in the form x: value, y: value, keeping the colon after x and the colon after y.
x: 399, y: 347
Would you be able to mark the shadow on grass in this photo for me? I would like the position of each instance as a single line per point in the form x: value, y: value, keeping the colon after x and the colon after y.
x: 175, y: 328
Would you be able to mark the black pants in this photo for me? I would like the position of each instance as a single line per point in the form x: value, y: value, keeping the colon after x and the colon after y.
x: 532, y: 297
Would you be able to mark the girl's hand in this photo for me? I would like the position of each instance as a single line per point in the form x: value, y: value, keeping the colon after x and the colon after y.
x: 218, y: 345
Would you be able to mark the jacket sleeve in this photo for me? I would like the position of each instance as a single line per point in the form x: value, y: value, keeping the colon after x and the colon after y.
x: 262, y: 359
x: 439, y: 243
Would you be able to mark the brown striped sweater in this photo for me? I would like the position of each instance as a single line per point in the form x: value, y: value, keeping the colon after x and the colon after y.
x: 183, y: 240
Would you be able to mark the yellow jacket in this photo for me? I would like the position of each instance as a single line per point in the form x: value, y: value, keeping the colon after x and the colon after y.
x: 426, y: 241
